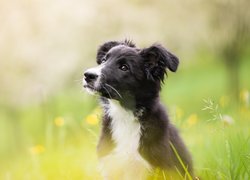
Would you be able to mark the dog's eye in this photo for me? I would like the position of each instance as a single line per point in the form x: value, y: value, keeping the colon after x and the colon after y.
x: 124, y: 67
x: 103, y: 60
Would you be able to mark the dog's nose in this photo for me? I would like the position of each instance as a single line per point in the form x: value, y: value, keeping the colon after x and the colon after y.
x: 90, y: 77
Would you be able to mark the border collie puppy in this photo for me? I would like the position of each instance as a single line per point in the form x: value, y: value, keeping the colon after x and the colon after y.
x: 137, y: 137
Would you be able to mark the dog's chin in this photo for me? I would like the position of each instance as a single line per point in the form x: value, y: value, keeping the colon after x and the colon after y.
x: 90, y: 89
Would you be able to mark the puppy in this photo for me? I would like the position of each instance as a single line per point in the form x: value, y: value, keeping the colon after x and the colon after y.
x: 137, y: 137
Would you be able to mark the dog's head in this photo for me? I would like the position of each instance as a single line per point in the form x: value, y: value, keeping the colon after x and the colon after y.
x: 125, y: 71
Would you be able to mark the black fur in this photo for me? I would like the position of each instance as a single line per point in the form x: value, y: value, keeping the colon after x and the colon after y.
x: 138, y: 89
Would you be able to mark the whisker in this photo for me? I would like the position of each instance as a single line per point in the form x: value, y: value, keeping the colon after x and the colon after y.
x: 78, y: 81
x: 107, y: 91
x: 114, y: 90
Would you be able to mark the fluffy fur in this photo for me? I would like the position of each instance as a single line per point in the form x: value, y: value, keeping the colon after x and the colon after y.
x: 136, y: 132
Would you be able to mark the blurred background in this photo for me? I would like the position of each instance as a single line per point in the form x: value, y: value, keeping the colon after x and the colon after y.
x: 49, y: 126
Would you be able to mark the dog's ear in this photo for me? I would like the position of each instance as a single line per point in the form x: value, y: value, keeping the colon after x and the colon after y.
x: 157, y: 60
x: 104, y: 48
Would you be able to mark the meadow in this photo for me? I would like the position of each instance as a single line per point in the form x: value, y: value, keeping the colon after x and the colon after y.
x: 56, y: 138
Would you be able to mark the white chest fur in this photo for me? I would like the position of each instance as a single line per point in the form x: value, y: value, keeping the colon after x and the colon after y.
x: 125, y: 161
x: 126, y: 130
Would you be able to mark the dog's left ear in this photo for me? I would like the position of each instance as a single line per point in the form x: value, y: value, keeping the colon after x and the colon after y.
x: 104, y: 48
x: 157, y: 60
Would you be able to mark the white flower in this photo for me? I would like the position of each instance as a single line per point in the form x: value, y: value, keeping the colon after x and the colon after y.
x: 227, y: 120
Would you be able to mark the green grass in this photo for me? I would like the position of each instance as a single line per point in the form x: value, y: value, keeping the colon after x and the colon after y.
x: 36, y: 144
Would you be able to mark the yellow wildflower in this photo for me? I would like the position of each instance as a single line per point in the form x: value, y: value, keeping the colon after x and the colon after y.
x: 92, y: 119
x: 245, y: 96
x: 59, y: 121
x: 37, y: 149
x: 192, y: 119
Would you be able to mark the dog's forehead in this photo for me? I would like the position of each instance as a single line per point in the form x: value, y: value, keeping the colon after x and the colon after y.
x: 122, y: 50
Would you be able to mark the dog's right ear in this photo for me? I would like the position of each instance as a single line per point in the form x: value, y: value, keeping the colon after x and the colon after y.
x: 104, y: 48
x: 157, y: 60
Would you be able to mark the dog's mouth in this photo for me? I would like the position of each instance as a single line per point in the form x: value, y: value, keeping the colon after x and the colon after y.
x: 104, y: 90
x: 89, y: 88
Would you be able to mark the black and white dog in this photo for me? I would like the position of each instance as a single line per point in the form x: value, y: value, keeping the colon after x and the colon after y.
x: 136, y: 137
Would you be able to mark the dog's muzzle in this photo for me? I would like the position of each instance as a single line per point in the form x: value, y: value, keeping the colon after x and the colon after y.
x: 91, y: 79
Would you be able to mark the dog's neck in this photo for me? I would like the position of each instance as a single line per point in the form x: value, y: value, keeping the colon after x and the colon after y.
x: 125, y: 128
x: 139, y: 106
